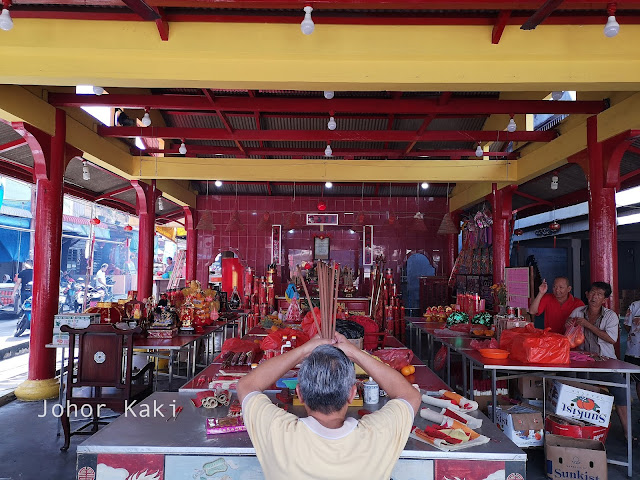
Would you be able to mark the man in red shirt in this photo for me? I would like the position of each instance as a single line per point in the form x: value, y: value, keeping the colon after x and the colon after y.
x: 556, y: 306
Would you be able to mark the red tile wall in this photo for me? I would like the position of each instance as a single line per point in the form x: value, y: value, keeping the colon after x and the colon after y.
x: 254, y: 246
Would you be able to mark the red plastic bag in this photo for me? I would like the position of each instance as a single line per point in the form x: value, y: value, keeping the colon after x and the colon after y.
x: 308, y: 325
x: 507, y: 336
x: 237, y: 345
x: 273, y: 341
x: 540, y: 346
x: 479, y: 344
x: 575, y: 335
x: 395, y: 357
x: 440, y: 359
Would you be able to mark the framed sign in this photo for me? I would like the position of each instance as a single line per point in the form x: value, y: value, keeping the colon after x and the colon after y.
x: 367, y: 245
x: 322, y: 219
x: 276, y: 244
x: 321, y: 248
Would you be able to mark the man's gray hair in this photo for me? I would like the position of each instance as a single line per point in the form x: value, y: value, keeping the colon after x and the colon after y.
x: 325, y: 379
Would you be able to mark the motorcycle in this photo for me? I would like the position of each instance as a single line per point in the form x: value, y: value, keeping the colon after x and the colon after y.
x: 24, y: 322
x: 66, y: 297
x: 93, y: 295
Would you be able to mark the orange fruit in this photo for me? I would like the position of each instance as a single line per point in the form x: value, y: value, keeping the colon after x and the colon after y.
x: 274, y: 328
x: 408, y: 370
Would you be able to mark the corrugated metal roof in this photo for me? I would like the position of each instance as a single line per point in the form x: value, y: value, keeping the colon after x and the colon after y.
x: 100, y: 181
x: 194, y: 121
x: 570, y: 179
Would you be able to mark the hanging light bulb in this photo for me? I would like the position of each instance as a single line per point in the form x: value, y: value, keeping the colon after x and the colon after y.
x: 511, y: 126
x: 612, y: 27
x: 554, y: 181
x: 146, y: 119
x: 86, y: 175
x: 328, y: 152
x: 98, y: 90
x: 218, y: 183
x: 332, y: 124
x: 424, y: 185
x: 160, y: 204
x: 6, y: 23
x: 557, y: 95
x: 479, y: 151
x: 307, y: 26
x: 183, y: 149
x: 328, y: 94
x: 328, y: 184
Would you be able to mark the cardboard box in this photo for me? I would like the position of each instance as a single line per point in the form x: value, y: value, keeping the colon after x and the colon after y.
x: 556, y: 425
x: 522, y: 425
x: 584, y: 405
x: 530, y: 387
x: 575, y: 458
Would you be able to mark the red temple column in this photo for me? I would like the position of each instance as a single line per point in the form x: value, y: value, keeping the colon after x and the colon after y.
x: 49, y: 166
x: 192, y: 253
x: 501, y: 206
x: 452, y: 244
x: 603, y: 237
x: 146, y: 195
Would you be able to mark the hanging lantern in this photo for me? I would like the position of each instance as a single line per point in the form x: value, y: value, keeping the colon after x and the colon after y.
x: 554, y: 226
x: 234, y: 223
x: 265, y: 222
x: 95, y: 221
x: 447, y: 226
x: 128, y: 228
x: 322, y: 206
x: 518, y: 232
x: 206, y: 222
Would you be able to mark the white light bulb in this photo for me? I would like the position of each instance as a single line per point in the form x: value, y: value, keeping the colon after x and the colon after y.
x: 182, y: 149
x: 612, y: 27
x: 556, y: 95
x: 307, y: 26
x: 424, y: 185
x: 332, y: 124
x: 328, y: 184
x: 511, y: 126
x: 328, y: 94
x: 479, y: 151
x: 328, y: 152
x: 160, y: 204
x: 218, y: 183
x: 554, y: 178
x: 6, y: 23
x: 98, y: 90
x: 86, y: 175
x: 146, y: 120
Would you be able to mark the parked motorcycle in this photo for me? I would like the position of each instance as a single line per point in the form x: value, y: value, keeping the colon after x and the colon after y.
x: 24, y: 322
x: 67, y: 293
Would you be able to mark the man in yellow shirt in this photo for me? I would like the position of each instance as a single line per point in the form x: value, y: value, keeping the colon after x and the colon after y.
x: 326, y: 444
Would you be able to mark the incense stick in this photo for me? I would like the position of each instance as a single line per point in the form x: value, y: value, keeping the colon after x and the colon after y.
x: 306, y: 292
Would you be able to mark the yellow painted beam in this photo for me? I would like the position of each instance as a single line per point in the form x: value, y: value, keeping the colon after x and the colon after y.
x: 305, y: 170
x: 464, y: 196
x: 177, y: 191
x: 337, y: 57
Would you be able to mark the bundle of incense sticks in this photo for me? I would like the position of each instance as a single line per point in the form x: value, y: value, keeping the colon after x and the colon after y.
x: 328, y: 282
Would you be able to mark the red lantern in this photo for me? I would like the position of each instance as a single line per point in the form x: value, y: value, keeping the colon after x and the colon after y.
x: 554, y: 226
x: 518, y: 232
x: 322, y: 206
x: 308, y: 266
x: 95, y: 221
x: 128, y: 228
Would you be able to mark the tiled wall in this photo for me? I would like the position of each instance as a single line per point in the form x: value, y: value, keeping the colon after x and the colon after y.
x: 254, y: 246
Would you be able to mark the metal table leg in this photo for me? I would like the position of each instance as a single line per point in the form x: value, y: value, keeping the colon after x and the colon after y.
x: 171, y: 354
x: 464, y: 376
x: 470, y: 380
x: 630, y: 429
x: 61, y: 390
x: 493, y: 395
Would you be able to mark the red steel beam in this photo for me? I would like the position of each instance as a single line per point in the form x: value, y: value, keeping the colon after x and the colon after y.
x: 531, y: 197
x: 162, y: 24
x: 309, y: 152
x: 498, y: 27
x: 142, y: 9
x: 541, y: 14
x: 12, y: 144
x: 115, y: 192
x: 404, y: 105
x: 326, y: 135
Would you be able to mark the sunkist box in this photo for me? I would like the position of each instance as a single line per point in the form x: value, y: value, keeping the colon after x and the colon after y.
x: 574, y: 428
x: 522, y: 425
x: 576, y: 458
x: 584, y: 405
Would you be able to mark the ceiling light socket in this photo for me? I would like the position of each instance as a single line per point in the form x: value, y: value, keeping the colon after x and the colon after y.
x: 6, y: 22
x: 332, y: 124
x: 86, y: 174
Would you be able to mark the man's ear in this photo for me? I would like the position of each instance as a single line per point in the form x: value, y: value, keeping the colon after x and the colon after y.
x: 299, y: 394
x: 569, y: 289
x: 352, y: 394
